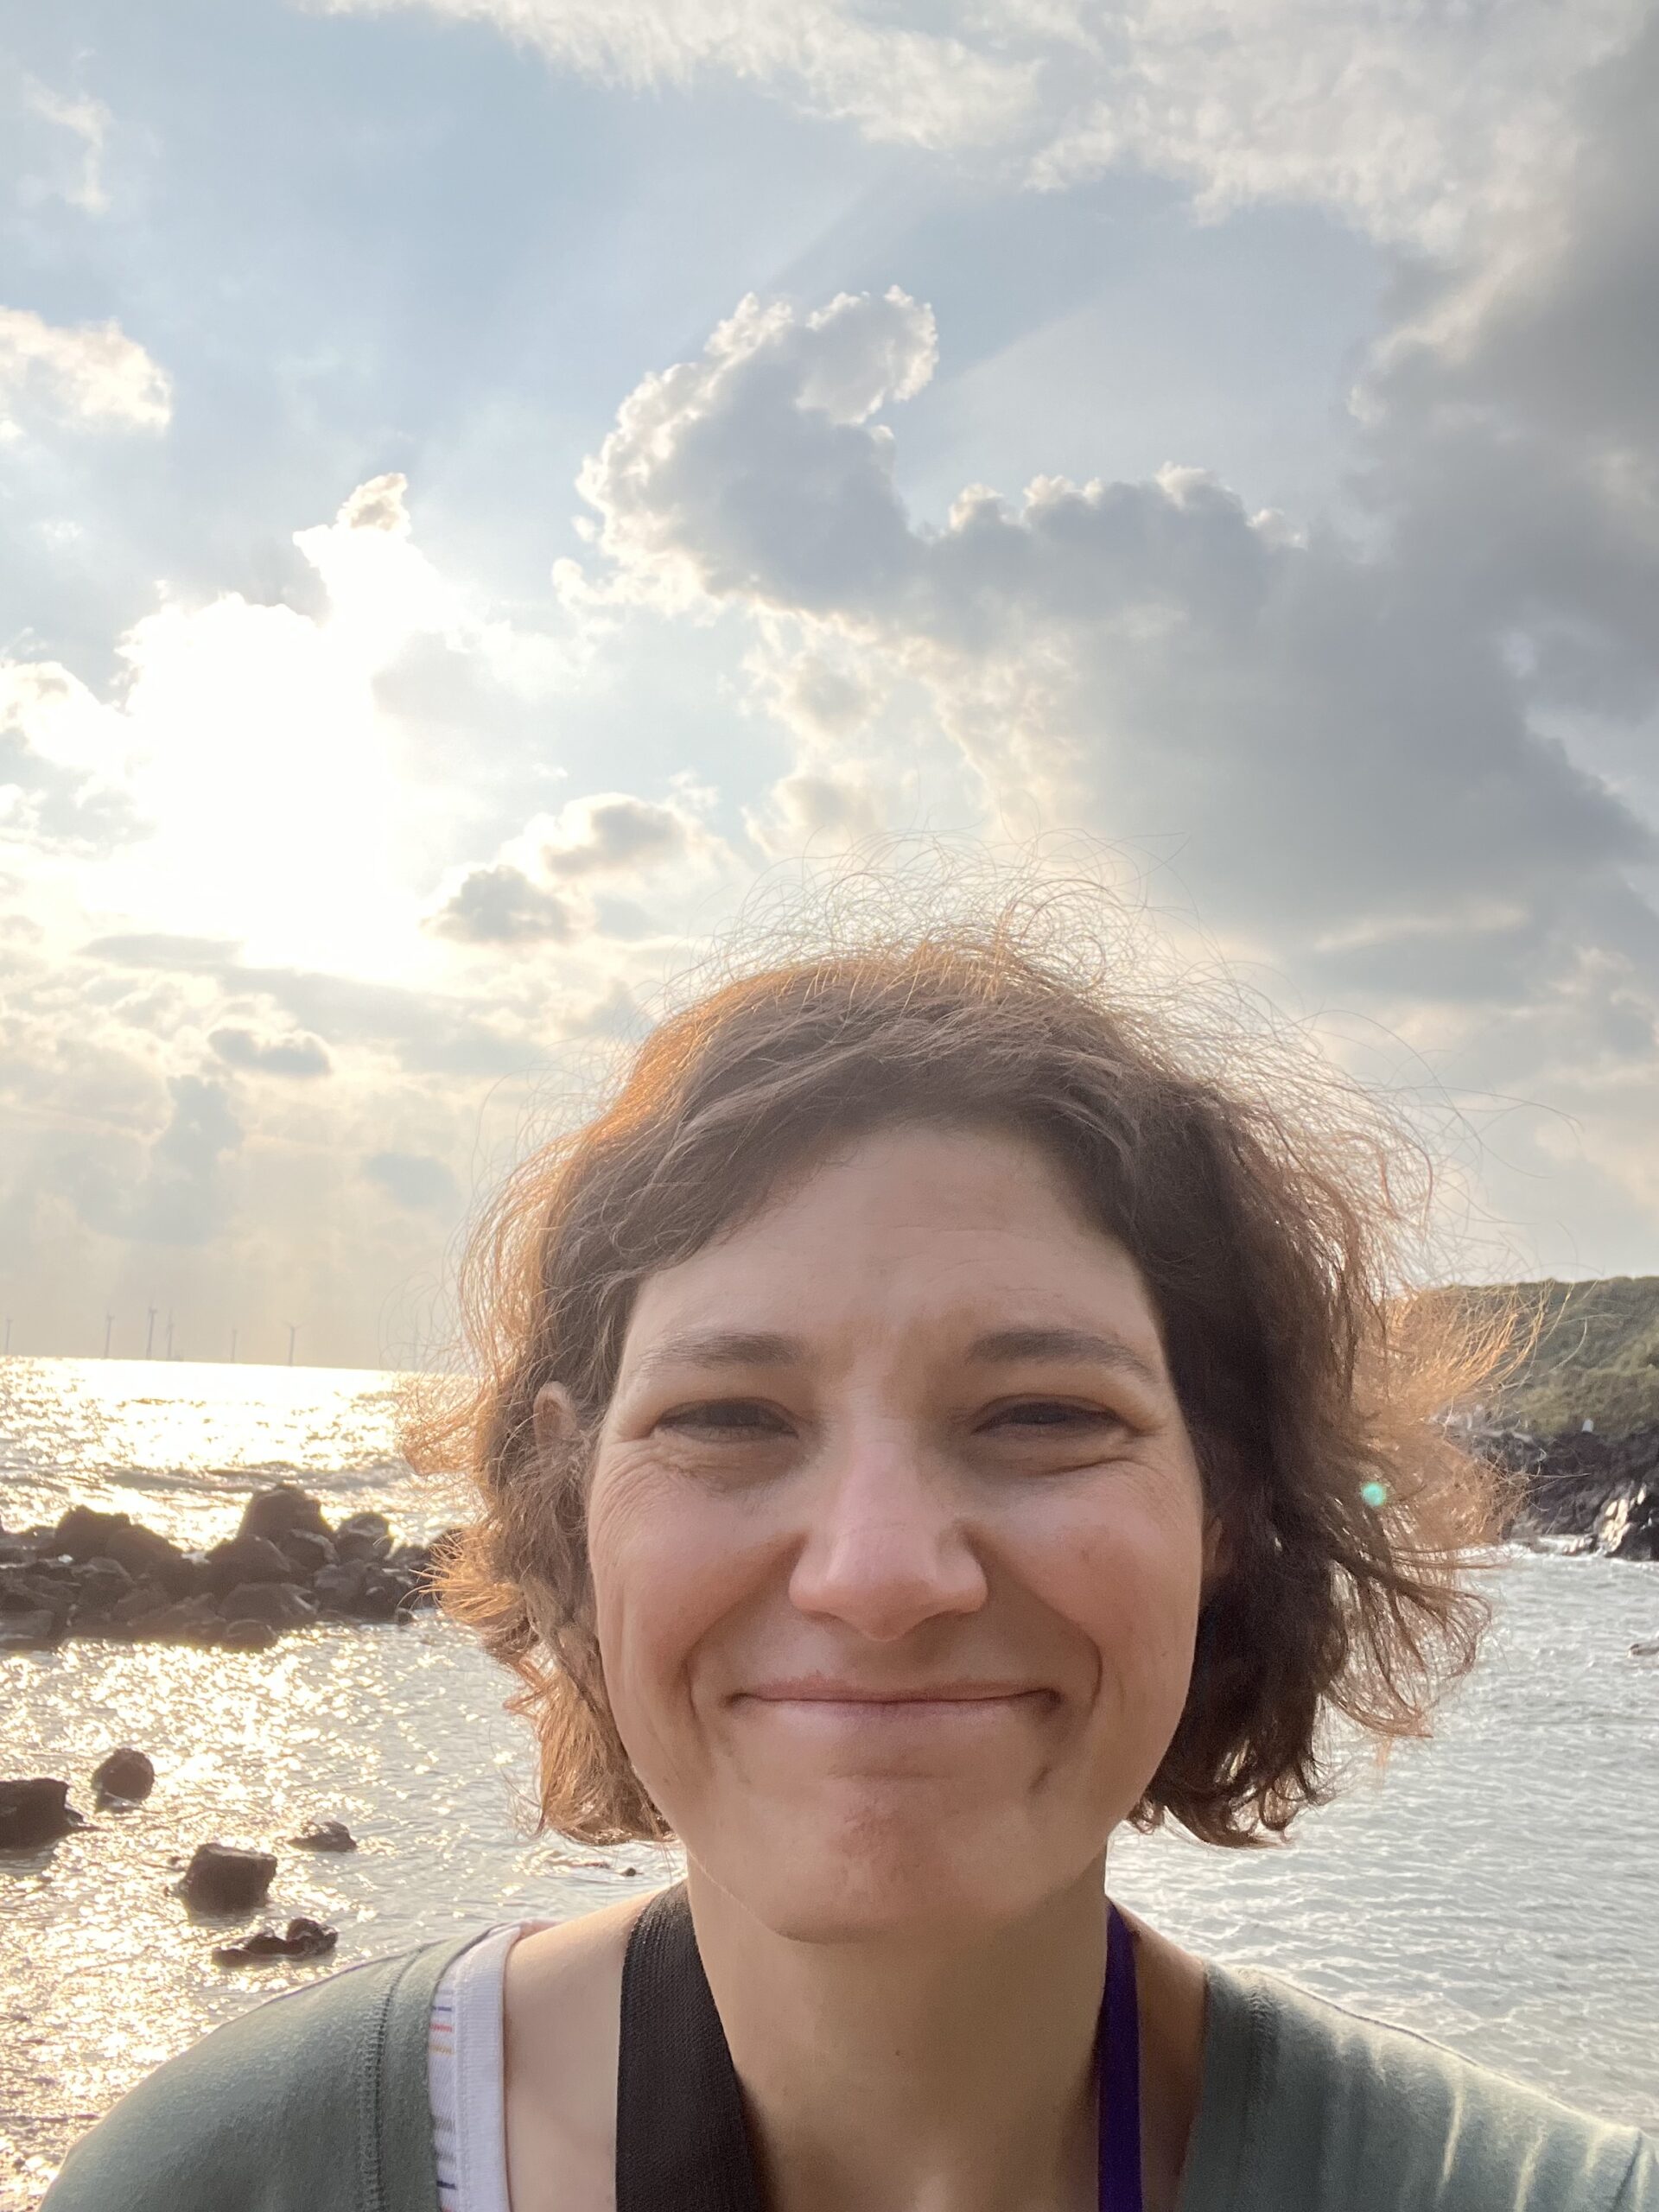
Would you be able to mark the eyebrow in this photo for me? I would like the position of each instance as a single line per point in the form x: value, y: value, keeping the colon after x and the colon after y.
x: 1004, y: 1347
x: 997, y: 1348
x: 722, y: 1348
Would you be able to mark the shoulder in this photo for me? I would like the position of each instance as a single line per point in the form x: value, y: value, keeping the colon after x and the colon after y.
x: 1311, y: 2103
x: 290, y: 2107
x: 561, y: 2011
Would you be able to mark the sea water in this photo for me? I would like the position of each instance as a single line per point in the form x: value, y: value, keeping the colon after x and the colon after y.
x: 1497, y: 1888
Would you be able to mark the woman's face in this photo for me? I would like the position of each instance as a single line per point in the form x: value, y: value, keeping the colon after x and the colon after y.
x: 898, y: 1542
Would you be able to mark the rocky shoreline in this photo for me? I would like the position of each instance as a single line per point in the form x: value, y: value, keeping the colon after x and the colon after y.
x: 1585, y: 1491
x: 105, y: 1575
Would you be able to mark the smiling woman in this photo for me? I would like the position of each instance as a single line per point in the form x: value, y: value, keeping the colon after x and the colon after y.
x: 926, y: 1422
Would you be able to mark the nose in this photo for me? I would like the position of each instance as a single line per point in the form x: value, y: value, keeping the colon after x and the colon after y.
x: 886, y: 1549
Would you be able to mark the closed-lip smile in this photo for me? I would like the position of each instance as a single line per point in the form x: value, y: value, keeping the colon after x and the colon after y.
x: 875, y: 1698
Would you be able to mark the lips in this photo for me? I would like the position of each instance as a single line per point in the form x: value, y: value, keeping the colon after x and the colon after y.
x: 826, y: 1697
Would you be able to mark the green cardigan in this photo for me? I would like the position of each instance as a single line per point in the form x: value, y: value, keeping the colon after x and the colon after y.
x: 317, y: 2103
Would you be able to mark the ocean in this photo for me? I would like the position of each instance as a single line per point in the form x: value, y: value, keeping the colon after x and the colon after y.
x: 1497, y: 1888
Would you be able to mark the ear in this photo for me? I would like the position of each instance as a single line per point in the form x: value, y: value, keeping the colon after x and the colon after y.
x: 556, y: 1426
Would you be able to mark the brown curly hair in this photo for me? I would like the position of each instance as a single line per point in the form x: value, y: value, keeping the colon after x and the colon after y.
x: 1266, y: 1227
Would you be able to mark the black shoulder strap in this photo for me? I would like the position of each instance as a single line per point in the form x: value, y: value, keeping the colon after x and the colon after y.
x: 681, y: 2144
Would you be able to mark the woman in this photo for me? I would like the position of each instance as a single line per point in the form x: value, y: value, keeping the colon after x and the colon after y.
x: 926, y: 1423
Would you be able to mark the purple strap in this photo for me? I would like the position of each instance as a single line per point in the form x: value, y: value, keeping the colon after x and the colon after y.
x: 1117, y: 2071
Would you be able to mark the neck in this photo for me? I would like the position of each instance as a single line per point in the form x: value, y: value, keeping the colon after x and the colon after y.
x: 937, y: 2076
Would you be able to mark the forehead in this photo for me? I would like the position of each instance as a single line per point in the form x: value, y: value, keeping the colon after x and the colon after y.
x: 908, y: 1227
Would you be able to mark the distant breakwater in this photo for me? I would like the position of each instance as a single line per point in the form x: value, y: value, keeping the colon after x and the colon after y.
x: 104, y: 1575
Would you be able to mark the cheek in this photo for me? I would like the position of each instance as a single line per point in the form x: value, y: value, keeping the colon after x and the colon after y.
x: 1128, y: 1574
x: 668, y: 1563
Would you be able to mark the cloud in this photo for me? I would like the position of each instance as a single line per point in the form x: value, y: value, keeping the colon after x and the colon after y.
x: 287, y: 1055
x: 178, y: 1195
x: 87, y: 121
x: 615, y: 834
x: 425, y: 1032
x: 59, y: 782
x: 755, y: 471
x: 1512, y: 413
x: 1325, y: 740
x: 902, y: 84
x: 414, y: 1180
x: 1404, y: 119
x: 554, y: 882
x: 92, y: 375
x: 502, y: 906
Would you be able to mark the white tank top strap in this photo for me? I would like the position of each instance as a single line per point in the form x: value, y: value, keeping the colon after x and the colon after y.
x: 466, y: 2075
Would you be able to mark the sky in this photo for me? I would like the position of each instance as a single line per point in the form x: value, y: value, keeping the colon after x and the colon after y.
x: 484, y: 485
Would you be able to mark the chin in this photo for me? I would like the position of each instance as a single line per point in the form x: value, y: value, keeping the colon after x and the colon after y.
x: 889, y: 1872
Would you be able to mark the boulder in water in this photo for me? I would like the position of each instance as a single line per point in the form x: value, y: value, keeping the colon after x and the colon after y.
x: 27, y: 1592
x: 192, y: 1620
x: 246, y: 1559
x: 325, y: 1835
x: 143, y: 1598
x: 126, y: 1774
x: 35, y: 1811
x: 99, y: 1587
x: 303, y: 1939
x: 35, y: 1629
x: 282, y: 1605
x: 220, y: 1878
x: 247, y: 1636
x: 83, y: 1534
x: 306, y: 1552
x: 282, y: 1511
x: 363, y: 1537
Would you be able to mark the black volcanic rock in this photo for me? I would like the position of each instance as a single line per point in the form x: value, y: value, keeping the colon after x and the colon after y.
x: 35, y: 1629
x: 142, y: 1599
x: 35, y: 1811
x: 306, y: 1552
x: 100, y: 1585
x: 100, y: 1574
x: 222, y: 1879
x: 192, y: 1620
x: 245, y: 1559
x: 1582, y: 1485
x: 40, y: 1587
x: 304, y: 1939
x: 1628, y: 1526
x: 282, y: 1511
x: 247, y: 1636
x: 363, y: 1537
x: 126, y: 1774
x: 84, y: 1533
x: 280, y: 1604
x: 325, y: 1835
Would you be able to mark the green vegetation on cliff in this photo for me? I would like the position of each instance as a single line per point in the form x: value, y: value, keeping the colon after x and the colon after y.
x: 1581, y: 1352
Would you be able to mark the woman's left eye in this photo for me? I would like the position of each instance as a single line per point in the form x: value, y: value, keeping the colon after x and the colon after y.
x: 1050, y: 1413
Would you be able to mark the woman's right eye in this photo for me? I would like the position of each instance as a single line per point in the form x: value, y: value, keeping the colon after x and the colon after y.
x: 726, y: 1417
